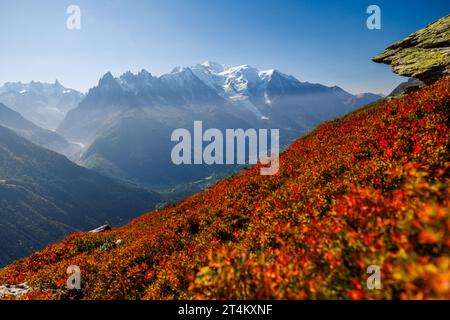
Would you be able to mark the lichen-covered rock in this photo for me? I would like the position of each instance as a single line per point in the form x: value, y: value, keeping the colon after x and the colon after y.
x: 424, y: 55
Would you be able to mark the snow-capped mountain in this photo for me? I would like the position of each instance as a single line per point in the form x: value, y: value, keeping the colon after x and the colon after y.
x: 112, y: 96
x: 45, y: 104
x: 234, y: 81
x: 125, y: 122
x: 236, y: 84
x: 257, y: 90
x: 245, y: 91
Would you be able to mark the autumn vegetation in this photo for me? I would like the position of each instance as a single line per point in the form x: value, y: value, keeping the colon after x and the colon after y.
x: 372, y: 188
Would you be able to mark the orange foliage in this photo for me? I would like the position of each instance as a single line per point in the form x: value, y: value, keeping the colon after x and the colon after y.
x: 372, y: 188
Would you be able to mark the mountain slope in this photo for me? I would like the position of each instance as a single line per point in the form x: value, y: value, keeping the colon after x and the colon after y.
x: 371, y: 188
x: 138, y: 148
x: 45, y: 104
x: 44, y: 196
x: 42, y: 137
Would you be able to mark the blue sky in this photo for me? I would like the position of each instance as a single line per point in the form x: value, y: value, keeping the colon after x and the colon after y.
x: 317, y: 41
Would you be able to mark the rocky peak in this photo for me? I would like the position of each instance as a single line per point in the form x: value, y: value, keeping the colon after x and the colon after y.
x: 108, y: 84
x: 424, y: 55
x: 58, y: 85
x: 144, y: 74
x: 107, y: 79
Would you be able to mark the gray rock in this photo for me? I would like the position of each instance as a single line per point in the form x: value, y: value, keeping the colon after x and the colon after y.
x: 101, y: 229
x: 17, y: 291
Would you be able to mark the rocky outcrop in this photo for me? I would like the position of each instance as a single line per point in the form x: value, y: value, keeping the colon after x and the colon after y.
x: 101, y: 229
x: 424, y: 55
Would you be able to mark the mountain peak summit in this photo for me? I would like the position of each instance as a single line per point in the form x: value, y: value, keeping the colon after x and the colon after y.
x: 58, y: 85
x: 107, y: 79
x: 145, y: 73
x: 214, y: 66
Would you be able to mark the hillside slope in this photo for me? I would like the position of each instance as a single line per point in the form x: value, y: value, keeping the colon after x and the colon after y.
x: 42, y: 137
x: 44, y: 197
x: 372, y: 188
x: 45, y: 104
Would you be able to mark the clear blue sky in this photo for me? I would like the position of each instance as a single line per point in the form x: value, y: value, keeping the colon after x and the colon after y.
x: 316, y: 41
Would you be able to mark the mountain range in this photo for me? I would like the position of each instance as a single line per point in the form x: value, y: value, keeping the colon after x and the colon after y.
x: 368, y: 191
x: 138, y: 112
x: 45, y: 104
x: 122, y: 129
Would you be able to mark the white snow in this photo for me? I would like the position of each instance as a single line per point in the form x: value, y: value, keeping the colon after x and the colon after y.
x: 81, y: 145
x: 234, y: 83
x: 216, y: 67
x: 266, y: 98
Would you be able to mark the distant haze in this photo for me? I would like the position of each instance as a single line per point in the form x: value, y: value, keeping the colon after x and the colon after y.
x: 325, y: 42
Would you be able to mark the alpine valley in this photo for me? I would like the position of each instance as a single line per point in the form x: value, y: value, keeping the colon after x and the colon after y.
x: 125, y: 123
x: 121, y: 130
x: 370, y: 188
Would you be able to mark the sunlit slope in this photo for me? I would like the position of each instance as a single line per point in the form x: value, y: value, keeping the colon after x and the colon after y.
x: 371, y: 188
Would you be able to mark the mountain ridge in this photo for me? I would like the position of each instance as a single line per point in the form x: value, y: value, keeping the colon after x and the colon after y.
x: 44, y: 196
x: 45, y: 104
x: 368, y: 190
x: 42, y: 137
x: 220, y: 96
